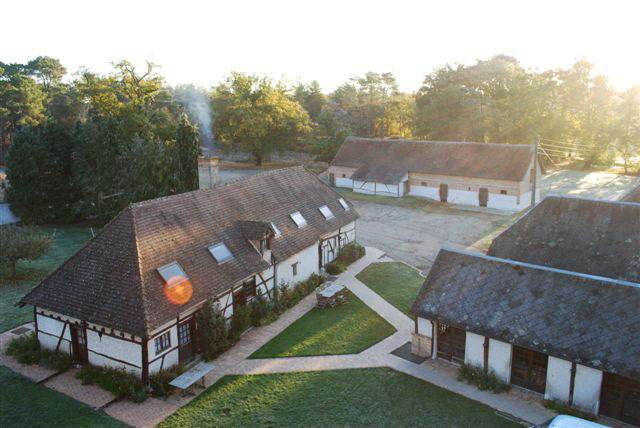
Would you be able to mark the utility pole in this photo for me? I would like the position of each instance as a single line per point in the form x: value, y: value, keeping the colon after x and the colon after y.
x: 535, y: 172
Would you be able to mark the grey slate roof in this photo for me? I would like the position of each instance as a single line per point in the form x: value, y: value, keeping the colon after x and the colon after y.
x: 581, y: 235
x: 113, y: 280
x: 632, y: 196
x: 591, y: 320
x: 387, y: 161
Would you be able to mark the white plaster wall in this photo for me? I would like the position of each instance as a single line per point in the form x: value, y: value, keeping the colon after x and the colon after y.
x: 463, y: 197
x: 425, y: 192
x: 307, y: 264
x: 504, y: 202
x: 474, y: 350
x: 586, y: 389
x: 116, y: 348
x: 500, y: 359
x: 47, y: 327
x: 558, y: 380
x: 265, y: 289
x: 344, y: 182
x: 170, y: 355
x: 223, y: 301
x: 425, y: 327
x: 350, y: 234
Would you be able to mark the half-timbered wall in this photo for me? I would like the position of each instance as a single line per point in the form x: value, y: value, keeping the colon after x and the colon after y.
x: 307, y: 262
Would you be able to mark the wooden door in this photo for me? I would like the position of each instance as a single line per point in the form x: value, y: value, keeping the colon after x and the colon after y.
x: 620, y: 398
x: 451, y: 343
x: 332, y: 179
x: 406, y: 187
x: 483, y: 196
x: 529, y: 369
x: 186, y: 341
x: 239, y: 299
x: 79, y: 344
x: 444, y: 192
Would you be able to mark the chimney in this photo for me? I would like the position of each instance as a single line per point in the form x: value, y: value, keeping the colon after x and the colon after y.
x: 207, y: 172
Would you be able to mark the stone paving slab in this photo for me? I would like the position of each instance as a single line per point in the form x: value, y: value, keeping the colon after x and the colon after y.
x: 146, y: 414
x: 68, y: 384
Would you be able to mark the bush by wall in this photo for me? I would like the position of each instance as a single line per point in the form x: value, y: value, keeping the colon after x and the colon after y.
x: 348, y: 254
x: 119, y: 382
x: 27, y: 350
x: 482, y: 380
x: 212, y: 330
x: 159, y: 382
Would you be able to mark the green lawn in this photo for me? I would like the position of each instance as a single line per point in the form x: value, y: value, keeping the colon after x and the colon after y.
x: 396, y: 282
x: 27, y: 404
x: 343, y: 329
x: 65, y: 242
x: 357, y: 397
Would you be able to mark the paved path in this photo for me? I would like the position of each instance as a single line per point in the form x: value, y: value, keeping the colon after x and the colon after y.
x: 519, y: 403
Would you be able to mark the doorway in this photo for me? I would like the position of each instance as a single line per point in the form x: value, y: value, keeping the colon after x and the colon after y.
x: 620, y: 398
x: 529, y: 369
x: 186, y: 343
x: 79, y: 344
x: 451, y: 343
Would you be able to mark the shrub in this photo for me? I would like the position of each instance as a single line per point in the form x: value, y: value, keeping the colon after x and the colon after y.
x: 259, y: 310
x: 240, y: 321
x: 563, y: 409
x: 350, y: 253
x: 27, y: 350
x: 335, y: 268
x: 119, y: 382
x: 159, y: 382
x: 212, y: 330
x: 22, y: 243
x: 481, y: 379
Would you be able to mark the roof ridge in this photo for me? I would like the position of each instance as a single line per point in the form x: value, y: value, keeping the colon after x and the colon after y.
x: 467, y: 252
x: 404, y: 140
x: 217, y: 186
x: 142, y: 289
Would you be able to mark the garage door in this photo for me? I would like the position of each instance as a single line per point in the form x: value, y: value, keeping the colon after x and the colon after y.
x: 451, y: 343
x: 529, y: 369
x: 620, y: 398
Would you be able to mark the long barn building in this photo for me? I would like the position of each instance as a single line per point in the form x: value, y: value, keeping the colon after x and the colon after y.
x: 128, y: 298
x: 499, y: 176
x: 552, y: 308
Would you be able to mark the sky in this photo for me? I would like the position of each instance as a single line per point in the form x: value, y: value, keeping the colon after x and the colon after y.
x: 201, y: 42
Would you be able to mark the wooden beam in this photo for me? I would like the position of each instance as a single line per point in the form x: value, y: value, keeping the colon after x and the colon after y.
x: 64, y: 328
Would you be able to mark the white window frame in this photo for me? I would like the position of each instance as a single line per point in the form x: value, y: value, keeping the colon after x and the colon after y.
x: 276, y: 230
x: 168, y: 280
x: 326, y: 212
x: 344, y: 204
x: 224, y: 246
x: 164, y: 340
x: 300, y: 224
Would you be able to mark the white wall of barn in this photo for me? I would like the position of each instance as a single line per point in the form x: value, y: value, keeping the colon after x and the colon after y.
x: 425, y: 327
x: 373, y: 188
x: 500, y: 359
x: 105, y: 350
x: 344, y: 182
x: 586, y: 389
x: 558, y: 380
x: 49, y: 331
x: 474, y: 350
x: 170, y: 355
x: 307, y: 263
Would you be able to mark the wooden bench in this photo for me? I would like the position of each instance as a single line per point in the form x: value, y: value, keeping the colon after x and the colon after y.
x: 191, y: 377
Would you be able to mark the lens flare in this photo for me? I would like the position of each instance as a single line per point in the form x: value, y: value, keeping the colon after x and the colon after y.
x: 178, y: 290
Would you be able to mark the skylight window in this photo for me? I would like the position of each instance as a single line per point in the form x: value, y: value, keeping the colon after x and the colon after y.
x: 172, y: 274
x: 344, y: 204
x: 275, y: 229
x: 326, y: 212
x: 220, y: 252
x: 298, y: 219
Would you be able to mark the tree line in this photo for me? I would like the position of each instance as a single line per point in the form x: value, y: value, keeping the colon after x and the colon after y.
x: 85, y: 148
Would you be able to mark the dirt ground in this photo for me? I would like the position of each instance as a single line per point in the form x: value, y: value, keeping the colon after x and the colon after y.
x: 597, y: 185
x: 413, y: 230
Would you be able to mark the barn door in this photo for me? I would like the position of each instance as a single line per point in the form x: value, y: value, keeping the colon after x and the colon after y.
x: 620, y: 398
x: 451, y: 343
x: 332, y: 179
x: 79, y: 344
x: 444, y: 192
x: 529, y: 369
x: 483, y: 196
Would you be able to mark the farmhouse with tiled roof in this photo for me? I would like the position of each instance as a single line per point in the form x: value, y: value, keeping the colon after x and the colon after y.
x: 492, y: 175
x: 553, y: 308
x: 128, y: 297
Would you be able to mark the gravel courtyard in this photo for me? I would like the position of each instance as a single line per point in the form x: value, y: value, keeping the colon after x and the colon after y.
x: 413, y: 230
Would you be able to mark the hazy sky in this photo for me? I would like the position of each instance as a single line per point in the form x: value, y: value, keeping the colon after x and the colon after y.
x: 330, y: 41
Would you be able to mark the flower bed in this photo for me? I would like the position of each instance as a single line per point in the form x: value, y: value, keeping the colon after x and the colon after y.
x: 27, y: 350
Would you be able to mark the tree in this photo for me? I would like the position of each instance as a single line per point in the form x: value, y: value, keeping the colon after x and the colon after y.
x: 626, y: 125
x: 257, y: 116
x: 22, y: 243
x: 311, y: 98
x: 48, y: 71
x: 212, y: 330
x: 39, y: 171
x: 185, y: 156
